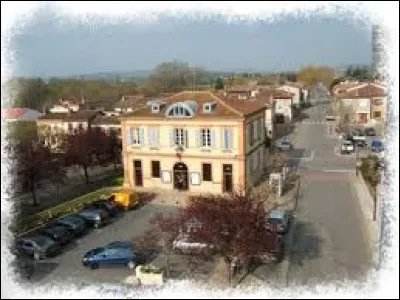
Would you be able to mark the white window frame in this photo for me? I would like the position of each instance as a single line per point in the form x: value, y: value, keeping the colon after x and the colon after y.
x: 205, y: 138
x: 180, y: 137
x: 135, y: 138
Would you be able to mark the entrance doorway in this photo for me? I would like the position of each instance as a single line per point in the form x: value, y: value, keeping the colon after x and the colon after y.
x: 227, y: 182
x: 137, y: 165
x: 181, y: 177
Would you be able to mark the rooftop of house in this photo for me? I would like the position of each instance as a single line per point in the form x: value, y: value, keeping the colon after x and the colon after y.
x: 80, y: 115
x: 130, y: 101
x: 277, y: 94
x: 106, y: 120
x: 224, y: 107
x: 20, y: 114
x: 241, y: 89
x: 366, y: 90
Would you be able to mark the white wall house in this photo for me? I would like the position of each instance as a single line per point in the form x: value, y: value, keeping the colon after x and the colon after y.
x: 296, y: 91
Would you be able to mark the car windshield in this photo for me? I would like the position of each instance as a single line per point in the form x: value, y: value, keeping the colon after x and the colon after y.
x: 275, y: 221
x: 43, y: 241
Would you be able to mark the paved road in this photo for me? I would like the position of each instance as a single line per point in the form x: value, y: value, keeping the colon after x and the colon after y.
x: 328, y: 240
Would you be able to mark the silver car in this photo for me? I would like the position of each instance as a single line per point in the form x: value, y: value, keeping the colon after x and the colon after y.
x: 284, y: 146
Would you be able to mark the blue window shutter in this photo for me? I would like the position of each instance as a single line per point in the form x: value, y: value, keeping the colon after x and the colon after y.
x: 230, y: 138
x: 213, y: 139
x: 157, y: 136
x: 186, y: 137
x: 197, y: 134
x: 130, y: 136
x: 171, y: 137
x: 150, y: 136
x: 141, y: 137
x: 223, y: 138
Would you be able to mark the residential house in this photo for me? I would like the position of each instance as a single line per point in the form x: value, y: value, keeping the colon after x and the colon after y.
x: 243, y: 92
x: 65, y: 106
x: 108, y: 124
x: 128, y: 104
x: 367, y: 102
x: 194, y: 141
x: 283, y: 104
x: 298, y: 91
x: 52, y: 126
x: 20, y: 114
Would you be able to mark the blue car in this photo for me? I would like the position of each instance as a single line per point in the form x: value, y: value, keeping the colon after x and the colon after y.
x: 377, y: 146
x: 114, y: 254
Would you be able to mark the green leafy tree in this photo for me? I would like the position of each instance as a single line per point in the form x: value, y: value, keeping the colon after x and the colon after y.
x: 219, y: 85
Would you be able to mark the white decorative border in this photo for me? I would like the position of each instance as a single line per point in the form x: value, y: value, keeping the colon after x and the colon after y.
x: 381, y: 12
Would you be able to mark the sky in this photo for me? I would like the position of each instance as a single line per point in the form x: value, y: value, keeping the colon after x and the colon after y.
x: 48, y: 46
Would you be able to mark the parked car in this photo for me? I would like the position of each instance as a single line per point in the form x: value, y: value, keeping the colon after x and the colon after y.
x: 360, y: 144
x: 278, y: 220
x: 369, y: 131
x: 125, y: 199
x: 59, y: 234
x: 39, y: 246
x: 186, y: 245
x: 106, y: 204
x: 329, y: 116
x: 74, y: 224
x: 284, y: 145
x: 377, y: 146
x: 95, y: 217
x: 346, y: 147
x: 119, y: 255
x: 359, y: 135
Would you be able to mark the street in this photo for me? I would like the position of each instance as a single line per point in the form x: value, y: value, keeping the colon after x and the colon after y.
x: 329, y: 242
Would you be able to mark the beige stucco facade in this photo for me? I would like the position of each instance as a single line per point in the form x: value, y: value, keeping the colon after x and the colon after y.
x: 244, y: 161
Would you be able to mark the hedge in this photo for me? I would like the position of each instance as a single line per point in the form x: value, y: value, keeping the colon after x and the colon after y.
x: 58, y: 211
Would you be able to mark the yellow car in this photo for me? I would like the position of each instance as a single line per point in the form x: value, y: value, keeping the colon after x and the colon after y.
x: 125, y: 199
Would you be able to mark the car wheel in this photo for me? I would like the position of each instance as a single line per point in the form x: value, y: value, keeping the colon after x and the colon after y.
x: 36, y: 255
x: 94, y: 266
x: 131, y: 265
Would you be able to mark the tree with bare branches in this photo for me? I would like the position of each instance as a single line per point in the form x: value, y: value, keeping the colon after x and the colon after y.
x: 31, y: 161
x: 233, y: 226
x: 85, y: 149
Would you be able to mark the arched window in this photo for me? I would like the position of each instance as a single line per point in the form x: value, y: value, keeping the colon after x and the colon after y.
x: 182, y: 109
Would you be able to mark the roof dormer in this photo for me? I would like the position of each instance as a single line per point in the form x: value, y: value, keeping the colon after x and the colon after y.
x: 209, y: 107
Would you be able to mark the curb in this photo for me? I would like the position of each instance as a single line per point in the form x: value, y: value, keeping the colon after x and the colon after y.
x: 371, y: 228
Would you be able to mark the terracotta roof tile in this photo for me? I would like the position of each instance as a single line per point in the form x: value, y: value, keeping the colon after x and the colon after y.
x: 106, y: 120
x: 226, y: 107
x: 13, y: 113
x: 363, y: 91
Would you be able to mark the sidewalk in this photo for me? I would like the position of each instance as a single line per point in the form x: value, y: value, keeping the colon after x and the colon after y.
x: 365, y: 201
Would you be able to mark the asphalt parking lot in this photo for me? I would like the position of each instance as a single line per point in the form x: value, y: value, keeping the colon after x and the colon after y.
x: 67, y: 266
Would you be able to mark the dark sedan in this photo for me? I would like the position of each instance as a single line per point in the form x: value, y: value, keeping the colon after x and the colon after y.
x: 58, y: 233
x: 105, y: 204
x: 39, y: 246
x: 117, y: 255
x: 74, y: 224
x: 95, y: 217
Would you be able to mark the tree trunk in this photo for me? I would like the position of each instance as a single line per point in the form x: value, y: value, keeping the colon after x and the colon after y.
x: 374, y: 212
x: 85, y: 169
x: 115, y: 165
x: 33, y: 191
x: 167, y: 264
x: 58, y: 191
